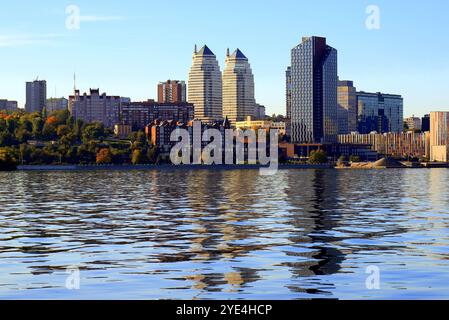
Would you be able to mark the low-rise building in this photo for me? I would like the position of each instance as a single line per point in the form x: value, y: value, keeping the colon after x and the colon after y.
x: 413, y: 123
x: 56, y: 104
x: 397, y: 145
x: 261, y: 124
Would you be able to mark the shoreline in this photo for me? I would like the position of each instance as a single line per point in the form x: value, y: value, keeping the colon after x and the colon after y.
x: 168, y: 167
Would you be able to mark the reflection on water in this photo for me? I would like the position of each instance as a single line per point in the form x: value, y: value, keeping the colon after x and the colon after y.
x: 225, y: 234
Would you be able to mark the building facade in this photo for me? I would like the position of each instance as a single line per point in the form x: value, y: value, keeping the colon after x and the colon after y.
x: 439, y: 136
x: 397, y: 145
x: 314, y: 84
x: 288, y: 92
x: 172, y: 91
x: 238, y: 88
x: 205, y: 86
x: 347, y: 107
x: 425, y: 123
x: 413, y: 123
x: 140, y: 114
x: 380, y: 112
x: 95, y: 107
x: 56, y: 104
x: 36, y: 96
x: 7, y: 105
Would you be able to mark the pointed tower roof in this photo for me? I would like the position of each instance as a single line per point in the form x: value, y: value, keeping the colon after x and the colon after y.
x: 205, y: 51
x: 238, y: 54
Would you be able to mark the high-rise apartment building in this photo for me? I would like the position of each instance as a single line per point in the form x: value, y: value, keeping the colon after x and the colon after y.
x: 314, y: 82
x: 238, y: 88
x: 95, y: 107
x: 347, y: 107
x: 380, y: 112
x: 171, y: 91
x: 36, y: 96
x: 205, y: 86
x: 56, y: 104
x: 439, y: 136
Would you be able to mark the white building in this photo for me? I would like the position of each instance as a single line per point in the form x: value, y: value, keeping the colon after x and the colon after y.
x: 205, y: 86
x: 238, y: 88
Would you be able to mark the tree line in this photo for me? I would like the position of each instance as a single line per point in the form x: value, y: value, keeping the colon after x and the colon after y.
x: 57, y: 138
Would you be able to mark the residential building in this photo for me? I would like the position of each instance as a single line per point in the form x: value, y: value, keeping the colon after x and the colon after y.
x: 205, y: 86
x: 95, y: 107
x: 398, y: 145
x: 413, y: 123
x: 7, y: 105
x: 56, y: 104
x: 122, y: 130
x: 347, y: 107
x: 314, y: 84
x: 380, y: 112
x: 439, y: 136
x: 172, y: 91
x: 36, y: 96
x: 139, y: 114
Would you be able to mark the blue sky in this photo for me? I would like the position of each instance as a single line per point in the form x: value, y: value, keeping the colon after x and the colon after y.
x: 126, y: 47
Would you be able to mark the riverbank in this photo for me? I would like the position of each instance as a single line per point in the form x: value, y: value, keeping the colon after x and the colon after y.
x: 163, y: 167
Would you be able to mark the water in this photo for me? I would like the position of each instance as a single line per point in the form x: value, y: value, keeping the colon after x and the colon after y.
x: 225, y: 234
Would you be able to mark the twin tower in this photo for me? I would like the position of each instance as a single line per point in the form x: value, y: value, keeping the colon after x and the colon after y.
x: 216, y: 96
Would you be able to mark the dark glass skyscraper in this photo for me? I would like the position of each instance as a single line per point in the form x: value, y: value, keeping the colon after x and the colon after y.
x: 314, y: 83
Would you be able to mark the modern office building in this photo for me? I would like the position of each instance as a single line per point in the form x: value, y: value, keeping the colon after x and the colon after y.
x: 56, y: 104
x: 205, y: 86
x: 439, y: 136
x: 380, y: 112
x: 314, y: 83
x: 288, y: 91
x: 36, y: 96
x: 347, y: 107
x: 7, y: 105
x: 172, y: 91
x: 238, y: 87
x: 413, y: 123
x: 95, y: 107
x: 139, y: 114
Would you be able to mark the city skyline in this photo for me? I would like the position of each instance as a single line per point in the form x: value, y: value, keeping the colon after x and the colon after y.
x: 47, y: 49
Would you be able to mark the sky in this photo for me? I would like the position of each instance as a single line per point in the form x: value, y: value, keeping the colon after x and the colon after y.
x: 126, y: 47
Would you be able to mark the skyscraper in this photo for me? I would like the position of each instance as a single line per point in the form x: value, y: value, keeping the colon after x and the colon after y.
x: 238, y: 88
x: 205, y: 86
x: 347, y: 107
x: 171, y: 91
x: 314, y: 92
x: 36, y: 96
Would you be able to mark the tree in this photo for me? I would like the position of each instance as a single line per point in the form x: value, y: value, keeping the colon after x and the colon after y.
x: 318, y: 157
x: 49, y: 131
x: 7, y: 160
x: 63, y: 130
x: 153, y: 154
x: 341, y: 161
x: 94, y: 131
x: 104, y: 156
x: 138, y: 157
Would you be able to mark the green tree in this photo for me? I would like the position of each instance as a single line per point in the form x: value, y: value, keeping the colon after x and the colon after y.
x: 318, y: 157
x: 8, y: 161
x: 94, y: 131
x: 153, y: 154
x: 138, y: 157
